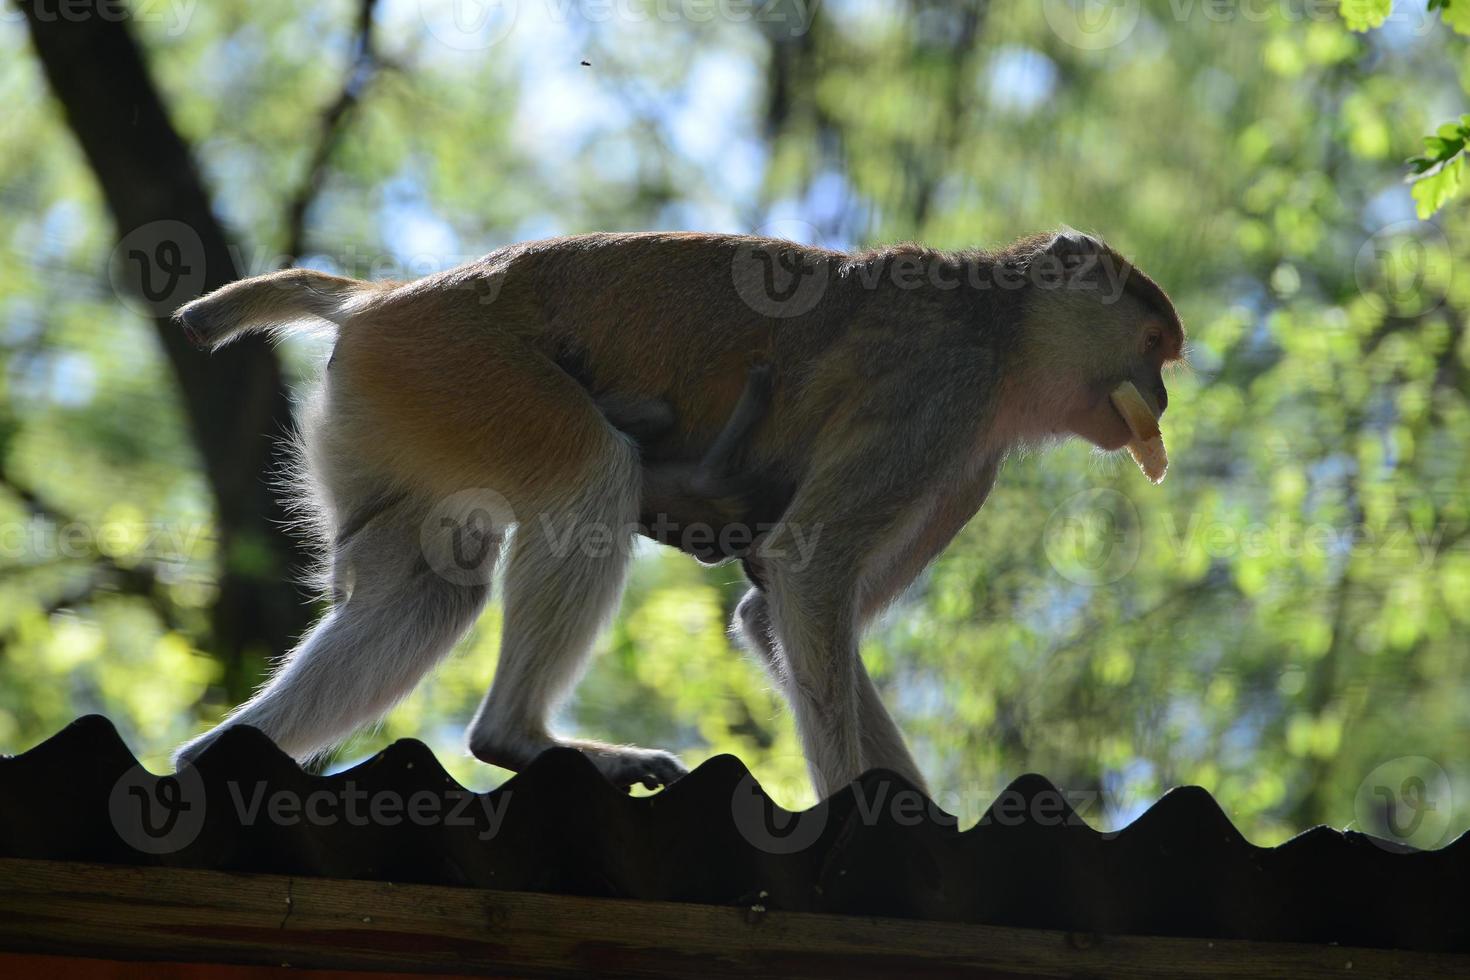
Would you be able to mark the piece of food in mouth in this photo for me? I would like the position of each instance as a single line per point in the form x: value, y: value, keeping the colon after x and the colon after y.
x: 1151, y: 458
x: 1147, y: 445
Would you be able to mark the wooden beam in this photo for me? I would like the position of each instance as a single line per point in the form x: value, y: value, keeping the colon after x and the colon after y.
x: 88, y: 968
x: 75, y: 909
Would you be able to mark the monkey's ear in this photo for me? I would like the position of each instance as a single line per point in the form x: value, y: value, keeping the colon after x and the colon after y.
x: 1071, y: 242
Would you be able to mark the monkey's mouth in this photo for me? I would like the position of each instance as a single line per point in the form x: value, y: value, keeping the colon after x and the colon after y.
x: 1124, y: 429
x: 1102, y: 423
x: 1112, y: 431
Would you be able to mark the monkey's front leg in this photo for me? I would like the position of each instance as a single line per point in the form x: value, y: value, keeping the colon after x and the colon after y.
x: 882, y: 743
x: 848, y: 542
x: 814, y: 619
x: 813, y: 567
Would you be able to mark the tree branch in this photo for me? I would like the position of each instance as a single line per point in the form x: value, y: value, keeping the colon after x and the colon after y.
x: 365, y: 65
x: 140, y: 580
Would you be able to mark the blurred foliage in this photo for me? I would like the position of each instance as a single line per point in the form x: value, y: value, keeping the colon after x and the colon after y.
x: 1438, y: 173
x: 1288, y: 611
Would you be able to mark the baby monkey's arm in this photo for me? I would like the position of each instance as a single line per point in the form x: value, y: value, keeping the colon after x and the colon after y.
x: 754, y: 402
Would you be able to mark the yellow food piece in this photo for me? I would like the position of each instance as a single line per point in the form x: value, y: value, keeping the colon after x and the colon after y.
x: 1147, y: 445
x: 1151, y: 457
x: 1135, y: 411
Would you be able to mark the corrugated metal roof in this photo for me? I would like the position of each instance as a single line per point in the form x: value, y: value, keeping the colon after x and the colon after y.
x: 877, y: 847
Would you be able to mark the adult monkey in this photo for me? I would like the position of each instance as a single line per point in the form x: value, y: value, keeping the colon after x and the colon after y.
x: 901, y: 380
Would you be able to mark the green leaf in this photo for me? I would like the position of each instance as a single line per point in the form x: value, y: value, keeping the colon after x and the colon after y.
x: 1440, y: 148
x: 1431, y: 192
x: 1361, y: 15
x: 1457, y: 16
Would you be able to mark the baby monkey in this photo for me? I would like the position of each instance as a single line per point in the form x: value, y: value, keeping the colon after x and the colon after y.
x: 691, y: 506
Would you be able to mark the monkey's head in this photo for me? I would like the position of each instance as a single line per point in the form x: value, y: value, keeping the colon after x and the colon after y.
x: 1092, y: 323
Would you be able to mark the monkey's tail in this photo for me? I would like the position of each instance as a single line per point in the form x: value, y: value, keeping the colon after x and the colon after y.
x: 274, y: 302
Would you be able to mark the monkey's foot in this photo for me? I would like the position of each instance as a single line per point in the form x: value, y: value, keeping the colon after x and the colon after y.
x: 628, y: 765
x: 185, y: 754
x: 623, y: 765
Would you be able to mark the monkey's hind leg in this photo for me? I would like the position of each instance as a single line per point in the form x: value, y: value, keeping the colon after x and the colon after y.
x: 392, y: 618
x: 564, y: 577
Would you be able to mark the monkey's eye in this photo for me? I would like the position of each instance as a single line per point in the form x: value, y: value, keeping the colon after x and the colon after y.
x: 1153, y: 340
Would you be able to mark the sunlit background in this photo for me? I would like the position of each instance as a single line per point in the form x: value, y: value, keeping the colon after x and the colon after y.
x: 1288, y: 613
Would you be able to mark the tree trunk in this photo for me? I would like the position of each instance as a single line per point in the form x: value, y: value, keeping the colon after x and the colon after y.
x: 171, y: 249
